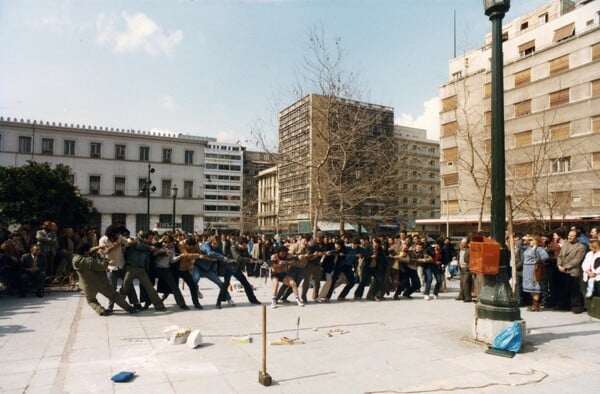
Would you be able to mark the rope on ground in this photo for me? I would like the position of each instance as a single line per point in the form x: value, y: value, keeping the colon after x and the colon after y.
x: 543, y: 376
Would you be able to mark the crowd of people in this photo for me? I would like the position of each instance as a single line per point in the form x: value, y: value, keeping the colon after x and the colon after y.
x: 396, y: 267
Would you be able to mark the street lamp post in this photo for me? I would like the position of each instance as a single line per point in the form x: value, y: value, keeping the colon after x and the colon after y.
x: 174, y: 195
x: 496, y: 301
x: 149, y: 189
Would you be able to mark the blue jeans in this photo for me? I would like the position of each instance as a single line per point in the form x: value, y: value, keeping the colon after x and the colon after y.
x: 213, y: 277
x: 431, y: 271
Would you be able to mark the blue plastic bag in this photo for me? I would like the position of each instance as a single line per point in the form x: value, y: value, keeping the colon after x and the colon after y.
x: 123, y: 376
x: 511, y: 338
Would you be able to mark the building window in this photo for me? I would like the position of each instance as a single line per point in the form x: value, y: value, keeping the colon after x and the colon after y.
x: 559, y: 64
x: 166, y: 188
x: 596, y: 161
x: 141, y: 222
x: 596, y: 52
x: 95, y: 149
x: 596, y: 88
x: 187, y: 223
x: 559, y: 98
x: 450, y: 179
x: 188, y: 189
x: 562, y: 164
x: 560, y: 131
x: 94, y: 184
x: 542, y: 19
x: 457, y: 75
x: 119, y: 218
x: 189, y: 157
x: 144, y: 153
x: 488, y: 118
x: 48, y: 146
x: 487, y: 90
x: 449, y: 154
x: 24, y: 144
x: 596, y: 124
x: 69, y: 148
x: 449, y: 103
x: 120, y: 152
x: 505, y: 36
x: 564, y: 32
x: 523, y: 170
x: 165, y: 220
x: 524, y: 25
x: 522, y: 77
x: 523, y: 138
x: 166, y: 155
x: 451, y: 206
x: 119, y: 186
x: 523, y: 108
x: 527, y: 48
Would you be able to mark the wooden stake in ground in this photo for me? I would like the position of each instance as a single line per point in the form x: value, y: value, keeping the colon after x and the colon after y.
x: 263, y: 377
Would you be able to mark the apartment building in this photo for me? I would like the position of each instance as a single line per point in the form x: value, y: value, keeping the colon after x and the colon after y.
x: 111, y: 166
x: 254, y: 163
x: 222, y: 186
x: 552, y: 120
x: 419, y: 194
x: 268, y: 200
x: 306, y: 131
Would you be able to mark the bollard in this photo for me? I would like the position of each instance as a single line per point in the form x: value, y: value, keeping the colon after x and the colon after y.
x: 263, y: 377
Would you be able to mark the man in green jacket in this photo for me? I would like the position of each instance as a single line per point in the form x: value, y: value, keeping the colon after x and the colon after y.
x: 91, y: 268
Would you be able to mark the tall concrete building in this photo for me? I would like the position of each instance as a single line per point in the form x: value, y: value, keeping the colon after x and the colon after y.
x: 419, y: 184
x: 222, y: 186
x: 268, y: 200
x: 552, y: 120
x: 306, y: 129
x: 111, y: 166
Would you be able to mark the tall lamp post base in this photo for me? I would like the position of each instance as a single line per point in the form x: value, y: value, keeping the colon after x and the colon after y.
x: 496, y: 306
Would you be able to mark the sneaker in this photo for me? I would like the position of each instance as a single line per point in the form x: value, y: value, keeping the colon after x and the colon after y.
x: 435, y: 297
x: 230, y: 302
x: 426, y: 298
x: 273, y: 304
x: 299, y: 302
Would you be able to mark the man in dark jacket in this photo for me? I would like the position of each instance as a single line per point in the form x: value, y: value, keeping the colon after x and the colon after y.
x: 33, y: 269
x: 239, y: 253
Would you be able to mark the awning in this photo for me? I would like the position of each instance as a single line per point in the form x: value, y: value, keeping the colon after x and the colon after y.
x: 526, y: 46
x: 564, y: 32
x: 334, y: 226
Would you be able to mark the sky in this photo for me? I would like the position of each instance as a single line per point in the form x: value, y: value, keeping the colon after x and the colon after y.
x: 223, y: 68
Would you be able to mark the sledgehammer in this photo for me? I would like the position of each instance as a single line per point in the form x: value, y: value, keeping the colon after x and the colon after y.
x: 263, y: 377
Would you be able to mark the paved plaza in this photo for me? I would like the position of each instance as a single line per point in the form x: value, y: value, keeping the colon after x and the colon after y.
x: 58, y: 344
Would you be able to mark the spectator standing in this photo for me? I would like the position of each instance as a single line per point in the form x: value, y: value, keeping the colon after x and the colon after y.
x: 569, y: 264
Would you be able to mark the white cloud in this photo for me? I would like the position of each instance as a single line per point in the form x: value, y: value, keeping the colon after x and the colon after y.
x: 141, y: 33
x: 168, y: 103
x: 428, y: 120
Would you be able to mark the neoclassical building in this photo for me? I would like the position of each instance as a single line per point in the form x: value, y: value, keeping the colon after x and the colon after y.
x: 111, y: 167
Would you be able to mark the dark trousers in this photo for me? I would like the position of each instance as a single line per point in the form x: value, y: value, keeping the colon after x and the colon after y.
x: 191, y: 284
x: 347, y: 270
x: 432, y: 271
x: 410, y: 282
x: 366, y: 273
x: 466, y: 286
x: 574, y: 288
x: 377, y: 288
x: 239, y: 275
x: 113, y: 278
x: 165, y: 277
x: 35, y: 278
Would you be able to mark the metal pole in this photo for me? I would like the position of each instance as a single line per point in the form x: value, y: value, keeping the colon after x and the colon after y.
x: 148, y: 183
x: 498, y: 218
x: 496, y: 301
x: 174, y: 199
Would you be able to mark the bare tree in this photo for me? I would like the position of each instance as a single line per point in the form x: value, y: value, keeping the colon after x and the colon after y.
x: 337, y: 156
